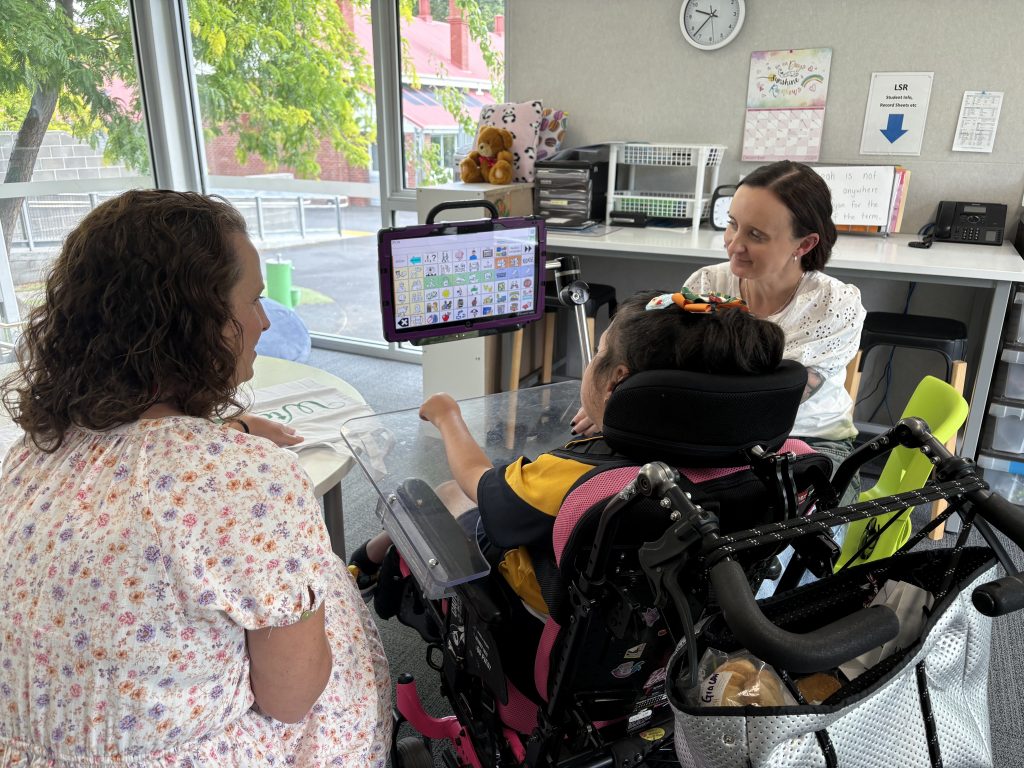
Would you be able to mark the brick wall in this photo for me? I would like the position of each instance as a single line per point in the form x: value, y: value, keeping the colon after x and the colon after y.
x: 63, y: 157
x: 222, y: 161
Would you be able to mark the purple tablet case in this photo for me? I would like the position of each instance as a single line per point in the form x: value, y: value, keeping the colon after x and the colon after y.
x: 457, y: 277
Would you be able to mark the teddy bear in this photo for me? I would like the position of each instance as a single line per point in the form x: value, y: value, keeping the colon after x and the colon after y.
x: 490, y: 161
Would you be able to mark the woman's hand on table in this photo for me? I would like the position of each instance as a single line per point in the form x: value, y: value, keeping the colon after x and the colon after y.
x: 278, y: 433
x: 583, y: 425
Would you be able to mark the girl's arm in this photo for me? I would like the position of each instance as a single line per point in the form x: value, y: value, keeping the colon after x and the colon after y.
x: 466, y: 459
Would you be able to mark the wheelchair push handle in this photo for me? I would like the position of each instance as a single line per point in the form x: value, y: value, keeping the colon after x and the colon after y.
x: 816, y: 651
x: 1007, y: 517
x: 1005, y: 595
x: 486, y: 204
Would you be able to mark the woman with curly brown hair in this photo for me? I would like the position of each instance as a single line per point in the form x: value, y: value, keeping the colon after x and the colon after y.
x: 168, y: 593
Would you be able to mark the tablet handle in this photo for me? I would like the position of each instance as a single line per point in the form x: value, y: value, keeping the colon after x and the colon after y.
x: 462, y: 204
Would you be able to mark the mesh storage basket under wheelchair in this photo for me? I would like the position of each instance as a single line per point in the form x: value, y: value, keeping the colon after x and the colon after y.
x: 923, y: 706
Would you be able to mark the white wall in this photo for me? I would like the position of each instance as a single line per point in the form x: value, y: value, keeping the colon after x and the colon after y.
x: 622, y: 70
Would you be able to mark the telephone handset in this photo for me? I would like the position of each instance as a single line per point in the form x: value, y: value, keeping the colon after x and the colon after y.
x: 980, y: 223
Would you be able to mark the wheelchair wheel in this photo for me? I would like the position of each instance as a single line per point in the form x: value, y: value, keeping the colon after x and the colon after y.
x: 413, y: 753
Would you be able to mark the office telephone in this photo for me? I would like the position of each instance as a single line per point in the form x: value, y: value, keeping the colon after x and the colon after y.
x: 980, y: 223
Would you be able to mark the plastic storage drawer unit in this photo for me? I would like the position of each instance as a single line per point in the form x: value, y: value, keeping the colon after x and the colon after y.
x: 1004, y: 476
x: 1010, y: 374
x: 1014, y: 330
x: 1007, y: 427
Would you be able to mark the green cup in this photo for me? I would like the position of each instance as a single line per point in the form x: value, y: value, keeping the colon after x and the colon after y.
x: 279, y: 282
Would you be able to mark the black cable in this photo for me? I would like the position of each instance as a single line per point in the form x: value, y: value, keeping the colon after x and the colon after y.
x: 878, y: 383
x: 887, y: 370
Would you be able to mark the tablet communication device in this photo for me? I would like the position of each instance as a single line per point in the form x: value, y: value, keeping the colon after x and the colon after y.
x: 460, y: 279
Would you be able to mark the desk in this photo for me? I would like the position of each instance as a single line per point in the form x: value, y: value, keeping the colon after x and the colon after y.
x: 325, y: 466
x: 993, y: 270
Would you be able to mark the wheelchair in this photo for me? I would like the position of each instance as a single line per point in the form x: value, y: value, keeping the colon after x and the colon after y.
x: 654, y: 554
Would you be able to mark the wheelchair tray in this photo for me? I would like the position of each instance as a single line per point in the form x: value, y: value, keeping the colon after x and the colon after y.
x: 415, y: 476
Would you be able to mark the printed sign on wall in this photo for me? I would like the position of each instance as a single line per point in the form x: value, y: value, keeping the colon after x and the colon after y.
x: 896, y: 113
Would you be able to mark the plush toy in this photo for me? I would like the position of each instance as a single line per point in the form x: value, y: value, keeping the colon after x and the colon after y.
x: 490, y: 161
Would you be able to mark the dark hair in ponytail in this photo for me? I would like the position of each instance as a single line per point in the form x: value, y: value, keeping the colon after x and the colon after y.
x: 729, y: 341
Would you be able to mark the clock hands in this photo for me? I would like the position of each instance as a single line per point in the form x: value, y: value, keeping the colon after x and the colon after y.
x: 712, y: 14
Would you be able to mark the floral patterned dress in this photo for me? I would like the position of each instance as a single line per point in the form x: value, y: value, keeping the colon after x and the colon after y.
x: 132, y: 563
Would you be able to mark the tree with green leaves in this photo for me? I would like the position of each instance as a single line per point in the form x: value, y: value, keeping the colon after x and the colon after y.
x: 280, y: 75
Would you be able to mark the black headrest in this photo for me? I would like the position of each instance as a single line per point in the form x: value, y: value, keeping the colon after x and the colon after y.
x: 693, y: 419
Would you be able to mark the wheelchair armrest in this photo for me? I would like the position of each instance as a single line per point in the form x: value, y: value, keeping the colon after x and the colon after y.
x: 437, y: 550
x: 477, y: 596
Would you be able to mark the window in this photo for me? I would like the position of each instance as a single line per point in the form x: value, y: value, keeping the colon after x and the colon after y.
x: 72, y: 132
x: 288, y: 119
x: 452, y: 65
x: 284, y: 119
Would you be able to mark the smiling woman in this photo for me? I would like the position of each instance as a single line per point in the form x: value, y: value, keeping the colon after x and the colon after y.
x: 778, y: 237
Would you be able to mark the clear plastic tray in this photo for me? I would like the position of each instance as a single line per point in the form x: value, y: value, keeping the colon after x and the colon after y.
x: 1009, y: 378
x: 507, y: 426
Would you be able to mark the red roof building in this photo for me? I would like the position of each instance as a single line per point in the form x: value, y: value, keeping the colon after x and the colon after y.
x: 442, y: 54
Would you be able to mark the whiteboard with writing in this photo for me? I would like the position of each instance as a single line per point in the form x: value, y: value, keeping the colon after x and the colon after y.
x: 861, y: 194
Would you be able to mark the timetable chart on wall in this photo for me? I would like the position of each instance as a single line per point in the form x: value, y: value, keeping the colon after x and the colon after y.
x: 463, y: 277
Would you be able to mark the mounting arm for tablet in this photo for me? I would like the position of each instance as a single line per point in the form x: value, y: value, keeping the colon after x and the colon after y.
x: 574, y: 294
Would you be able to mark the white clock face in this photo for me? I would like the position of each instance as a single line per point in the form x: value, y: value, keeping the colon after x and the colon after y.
x: 710, y: 24
x: 720, y: 214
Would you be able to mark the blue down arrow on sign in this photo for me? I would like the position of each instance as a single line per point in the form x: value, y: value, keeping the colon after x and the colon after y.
x: 895, y: 127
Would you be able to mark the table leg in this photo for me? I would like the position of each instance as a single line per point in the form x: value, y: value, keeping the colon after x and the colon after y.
x: 335, y: 519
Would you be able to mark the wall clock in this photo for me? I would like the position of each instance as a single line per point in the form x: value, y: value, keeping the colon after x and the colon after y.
x: 710, y: 24
x: 721, y: 199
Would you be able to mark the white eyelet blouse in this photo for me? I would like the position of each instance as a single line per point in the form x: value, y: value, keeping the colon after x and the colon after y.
x: 822, y: 324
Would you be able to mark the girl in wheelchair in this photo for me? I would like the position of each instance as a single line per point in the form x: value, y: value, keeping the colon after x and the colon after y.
x: 695, y: 381
x: 511, y: 509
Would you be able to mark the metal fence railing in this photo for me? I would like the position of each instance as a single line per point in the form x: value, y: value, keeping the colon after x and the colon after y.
x: 45, y: 220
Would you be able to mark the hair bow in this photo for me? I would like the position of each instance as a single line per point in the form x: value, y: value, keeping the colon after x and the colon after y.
x: 689, y: 301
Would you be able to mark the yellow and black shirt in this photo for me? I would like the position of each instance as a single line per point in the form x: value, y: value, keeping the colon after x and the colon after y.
x: 519, y: 502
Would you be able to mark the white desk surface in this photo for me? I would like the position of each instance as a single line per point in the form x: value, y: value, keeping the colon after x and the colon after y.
x: 889, y: 256
x: 323, y: 464
x: 994, y: 269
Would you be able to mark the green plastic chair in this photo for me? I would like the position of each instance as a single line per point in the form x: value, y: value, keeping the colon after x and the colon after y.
x: 945, y: 410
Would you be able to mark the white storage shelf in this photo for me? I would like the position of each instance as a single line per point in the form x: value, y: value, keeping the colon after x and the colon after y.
x: 705, y: 158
